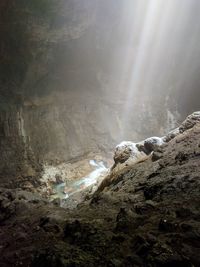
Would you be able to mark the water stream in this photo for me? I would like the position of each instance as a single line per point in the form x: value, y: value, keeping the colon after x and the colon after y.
x: 65, y: 190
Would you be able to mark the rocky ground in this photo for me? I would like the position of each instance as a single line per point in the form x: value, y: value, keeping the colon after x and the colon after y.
x: 145, y: 214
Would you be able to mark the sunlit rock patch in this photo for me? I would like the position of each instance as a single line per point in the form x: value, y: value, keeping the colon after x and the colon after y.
x: 62, y: 181
x: 128, y: 153
x: 126, y: 150
x: 149, y: 209
x: 70, y: 183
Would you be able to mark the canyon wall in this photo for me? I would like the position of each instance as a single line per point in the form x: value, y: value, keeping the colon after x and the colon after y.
x: 65, y: 82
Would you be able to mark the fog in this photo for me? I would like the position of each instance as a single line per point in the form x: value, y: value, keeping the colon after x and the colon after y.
x: 155, y: 46
x: 85, y: 75
x: 144, y: 53
x: 158, y: 53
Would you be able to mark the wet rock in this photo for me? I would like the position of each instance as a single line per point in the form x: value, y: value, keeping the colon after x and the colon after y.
x: 171, y: 135
x: 124, y: 151
x: 128, y: 154
x: 181, y: 156
x: 157, y: 155
x: 190, y: 121
x: 153, y: 144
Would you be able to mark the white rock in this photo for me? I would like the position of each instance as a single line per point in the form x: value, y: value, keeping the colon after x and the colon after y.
x: 152, y: 144
x: 126, y: 150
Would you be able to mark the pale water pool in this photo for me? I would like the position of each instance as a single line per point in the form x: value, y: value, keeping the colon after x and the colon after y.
x: 64, y: 190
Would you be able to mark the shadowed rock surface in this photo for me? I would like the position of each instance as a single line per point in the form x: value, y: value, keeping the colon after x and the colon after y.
x: 148, y: 215
x: 76, y: 78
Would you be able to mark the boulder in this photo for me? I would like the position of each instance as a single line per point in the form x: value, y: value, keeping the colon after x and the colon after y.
x: 172, y: 134
x: 190, y: 121
x: 152, y: 144
x: 124, y: 151
x: 187, y: 124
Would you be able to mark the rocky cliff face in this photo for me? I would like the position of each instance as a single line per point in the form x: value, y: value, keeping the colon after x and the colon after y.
x: 147, y: 216
x: 62, y: 93
x: 17, y: 157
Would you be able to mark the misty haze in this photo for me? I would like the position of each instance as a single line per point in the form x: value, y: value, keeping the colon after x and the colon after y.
x: 100, y: 133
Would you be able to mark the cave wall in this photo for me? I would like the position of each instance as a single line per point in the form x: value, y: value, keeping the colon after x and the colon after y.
x: 63, y: 87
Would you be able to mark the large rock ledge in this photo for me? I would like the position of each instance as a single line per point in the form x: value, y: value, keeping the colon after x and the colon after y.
x: 145, y: 214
